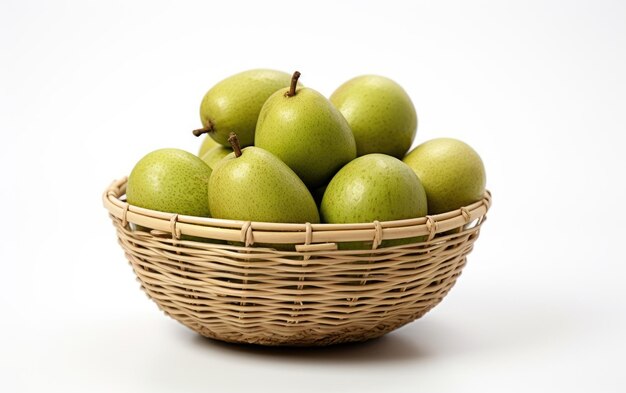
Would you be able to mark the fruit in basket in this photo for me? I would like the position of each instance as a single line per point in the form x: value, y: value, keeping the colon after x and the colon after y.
x: 212, y: 156
x: 207, y: 144
x: 252, y: 184
x: 380, y: 113
x: 451, y: 171
x: 170, y: 180
x: 283, y: 288
x: 302, y: 128
x: 373, y: 187
x: 233, y: 104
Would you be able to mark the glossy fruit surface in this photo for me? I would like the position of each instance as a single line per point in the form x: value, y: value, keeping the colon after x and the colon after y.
x: 257, y: 186
x: 306, y: 132
x: 233, y: 104
x: 451, y: 171
x: 380, y: 113
x: 373, y: 187
x: 170, y: 180
x: 212, y: 156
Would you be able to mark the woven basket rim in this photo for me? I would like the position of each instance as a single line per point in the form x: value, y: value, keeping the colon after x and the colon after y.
x: 306, y: 235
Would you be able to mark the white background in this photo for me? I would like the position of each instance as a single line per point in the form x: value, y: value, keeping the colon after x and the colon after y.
x: 538, y: 88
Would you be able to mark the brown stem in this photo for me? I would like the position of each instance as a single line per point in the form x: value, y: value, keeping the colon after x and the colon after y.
x: 234, y: 143
x: 204, y: 130
x: 294, y: 83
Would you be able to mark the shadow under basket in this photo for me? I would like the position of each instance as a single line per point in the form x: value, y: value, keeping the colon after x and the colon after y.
x: 294, y: 284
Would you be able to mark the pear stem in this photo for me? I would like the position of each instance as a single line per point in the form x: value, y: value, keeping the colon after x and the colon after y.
x: 234, y: 143
x: 294, y: 83
x: 204, y: 130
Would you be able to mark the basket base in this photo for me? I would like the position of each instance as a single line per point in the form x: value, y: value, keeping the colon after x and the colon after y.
x: 306, y: 337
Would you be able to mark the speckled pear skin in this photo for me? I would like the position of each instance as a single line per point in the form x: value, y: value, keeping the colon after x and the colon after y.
x: 257, y: 186
x: 451, y: 171
x: 233, y: 104
x: 373, y: 187
x: 380, y: 113
x: 207, y: 144
x: 170, y: 180
x: 307, y: 133
x: 212, y: 156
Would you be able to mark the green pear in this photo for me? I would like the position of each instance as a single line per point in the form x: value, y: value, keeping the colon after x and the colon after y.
x: 233, y: 105
x: 302, y: 128
x: 451, y: 171
x: 170, y: 180
x: 374, y: 187
x: 207, y: 144
x: 212, y: 156
x: 380, y: 113
x: 252, y: 184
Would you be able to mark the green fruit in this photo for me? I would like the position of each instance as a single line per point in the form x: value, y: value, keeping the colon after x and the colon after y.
x: 373, y: 187
x: 254, y: 185
x: 380, y: 113
x: 170, y: 180
x: 451, y: 171
x: 207, y: 144
x: 212, y: 156
x: 233, y: 104
x: 303, y: 129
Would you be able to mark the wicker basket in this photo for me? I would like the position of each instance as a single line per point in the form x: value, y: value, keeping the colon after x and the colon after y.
x: 216, y: 277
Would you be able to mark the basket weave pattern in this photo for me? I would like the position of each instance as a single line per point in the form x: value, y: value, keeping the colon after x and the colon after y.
x: 233, y: 289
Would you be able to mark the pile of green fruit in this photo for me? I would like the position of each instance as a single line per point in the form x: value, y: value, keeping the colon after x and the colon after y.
x: 280, y: 152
